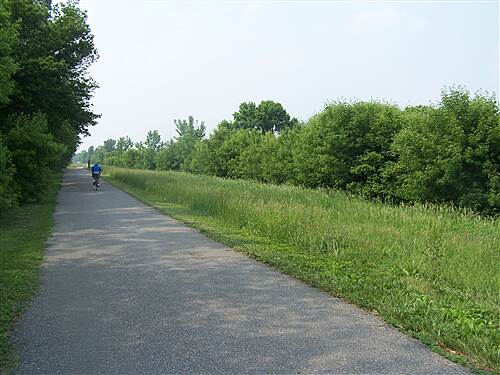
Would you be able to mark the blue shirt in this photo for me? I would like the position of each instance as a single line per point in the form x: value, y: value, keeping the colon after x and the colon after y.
x: 96, y: 169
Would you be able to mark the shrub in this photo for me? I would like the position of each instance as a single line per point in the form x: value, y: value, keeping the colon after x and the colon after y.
x: 34, y: 154
x: 347, y: 145
x: 450, y: 153
x: 8, y: 194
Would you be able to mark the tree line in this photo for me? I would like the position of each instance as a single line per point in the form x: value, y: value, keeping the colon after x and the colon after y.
x: 448, y: 152
x: 45, y: 92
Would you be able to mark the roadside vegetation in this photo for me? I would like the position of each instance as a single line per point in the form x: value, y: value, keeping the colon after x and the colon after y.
x: 24, y: 232
x: 45, y: 92
x: 447, y: 153
x: 430, y: 271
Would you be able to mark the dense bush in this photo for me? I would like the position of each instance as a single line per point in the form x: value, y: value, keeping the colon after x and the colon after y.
x: 347, y: 145
x: 8, y: 195
x: 45, y: 92
x: 450, y: 153
x: 179, y: 152
x: 35, y: 154
x: 446, y: 153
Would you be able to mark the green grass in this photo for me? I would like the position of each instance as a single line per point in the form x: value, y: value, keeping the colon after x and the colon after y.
x: 431, y: 272
x: 24, y: 231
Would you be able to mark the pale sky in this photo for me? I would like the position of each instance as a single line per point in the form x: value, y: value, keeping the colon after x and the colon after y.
x: 163, y: 60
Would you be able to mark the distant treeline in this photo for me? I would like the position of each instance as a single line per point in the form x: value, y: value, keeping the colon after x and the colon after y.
x: 445, y: 153
x: 45, y: 93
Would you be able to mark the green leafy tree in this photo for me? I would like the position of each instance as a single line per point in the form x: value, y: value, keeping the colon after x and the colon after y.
x: 280, y: 163
x: 153, y: 140
x: 8, y: 66
x: 8, y: 193
x: 272, y: 117
x: 246, y: 117
x: 200, y: 160
x: 131, y: 158
x: 268, y: 116
x: 45, y: 90
x: 91, y: 152
x: 118, y: 156
x: 168, y: 157
x: 109, y: 145
x: 53, y: 52
x: 35, y: 155
x: 450, y: 153
x: 244, y: 154
x: 123, y: 144
x: 217, y: 153
x: 177, y: 154
x: 81, y: 157
x: 99, y: 155
x: 347, y: 145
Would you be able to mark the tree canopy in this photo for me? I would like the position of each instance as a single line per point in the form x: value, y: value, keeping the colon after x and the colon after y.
x: 45, y: 89
x: 268, y: 116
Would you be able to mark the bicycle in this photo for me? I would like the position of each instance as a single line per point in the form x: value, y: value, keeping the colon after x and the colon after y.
x: 96, y: 177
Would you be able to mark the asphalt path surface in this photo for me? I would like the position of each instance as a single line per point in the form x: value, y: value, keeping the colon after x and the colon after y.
x: 127, y: 290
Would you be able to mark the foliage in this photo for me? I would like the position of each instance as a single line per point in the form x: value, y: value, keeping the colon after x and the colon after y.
x: 35, y: 154
x: 45, y: 53
x: 178, y: 153
x: 216, y: 156
x: 268, y: 116
x: 8, y: 194
x: 450, y: 153
x: 346, y: 146
x: 446, y: 154
x: 8, y: 66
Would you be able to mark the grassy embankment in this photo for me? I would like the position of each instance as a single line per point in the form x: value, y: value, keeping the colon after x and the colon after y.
x: 24, y: 232
x: 431, y: 272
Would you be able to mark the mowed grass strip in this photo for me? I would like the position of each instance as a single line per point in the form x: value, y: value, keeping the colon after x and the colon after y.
x: 23, y: 235
x: 432, y: 272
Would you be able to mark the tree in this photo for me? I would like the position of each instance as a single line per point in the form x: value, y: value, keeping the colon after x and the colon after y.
x: 8, y: 193
x: 53, y: 52
x: 45, y: 91
x: 200, y: 162
x: 280, y: 164
x: 246, y: 117
x: 8, y: 65
x: 81, y: 157
x: 268, y: 116
x: 218, y: 155
x: 90, y: 153
x: 450, y: 153
x: 153, y: 140
x: 131, y: 158
x: 123, y: 144
x: 177, y: 154
x: 35, y: 155
x: 347, y: 145
x: 168, y: 158
x: 272, y: 117
x: 109, y: 145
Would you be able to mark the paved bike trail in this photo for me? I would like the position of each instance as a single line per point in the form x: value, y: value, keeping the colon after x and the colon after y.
x: 127, y: 290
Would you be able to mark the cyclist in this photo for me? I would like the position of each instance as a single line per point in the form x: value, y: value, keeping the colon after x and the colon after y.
x: 96, y: 173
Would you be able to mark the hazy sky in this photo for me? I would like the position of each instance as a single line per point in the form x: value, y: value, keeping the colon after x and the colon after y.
x: 163, y: 60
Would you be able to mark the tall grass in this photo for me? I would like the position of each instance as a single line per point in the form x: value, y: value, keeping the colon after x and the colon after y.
x: 430, y: 271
